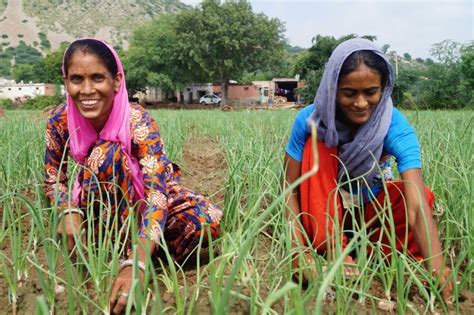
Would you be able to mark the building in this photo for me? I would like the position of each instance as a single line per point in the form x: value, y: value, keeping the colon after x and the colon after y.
x: 193, y: 92
x: 239, y: 94
x: 14, y: 91
x: 282, y: 89
x: 275, y: 91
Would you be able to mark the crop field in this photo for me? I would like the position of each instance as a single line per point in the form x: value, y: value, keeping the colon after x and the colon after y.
x: 236, y: 158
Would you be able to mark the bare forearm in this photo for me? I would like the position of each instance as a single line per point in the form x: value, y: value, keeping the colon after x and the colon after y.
x: 426, y: 236
x: 292, y: 173
x: 292, y: 214
x: 145, y: 249
x: 421, y: 220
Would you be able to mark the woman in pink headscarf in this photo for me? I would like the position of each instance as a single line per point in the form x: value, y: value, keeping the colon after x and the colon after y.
x: 123, y: 164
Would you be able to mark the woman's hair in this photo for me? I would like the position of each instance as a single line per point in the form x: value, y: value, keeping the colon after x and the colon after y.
x: 95, y: 47
x: 368, y: 58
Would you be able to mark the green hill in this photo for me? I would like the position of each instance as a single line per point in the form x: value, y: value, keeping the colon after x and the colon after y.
x: 46, y: 23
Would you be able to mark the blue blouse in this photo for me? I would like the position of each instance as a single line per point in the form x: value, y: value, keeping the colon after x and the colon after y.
x: 400, y: 142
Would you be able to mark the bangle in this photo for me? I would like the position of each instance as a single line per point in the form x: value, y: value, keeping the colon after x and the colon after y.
x: 69, y: 211
x: 129, y: 262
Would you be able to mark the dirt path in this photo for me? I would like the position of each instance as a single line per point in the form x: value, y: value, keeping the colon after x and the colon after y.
x: 204, y: 168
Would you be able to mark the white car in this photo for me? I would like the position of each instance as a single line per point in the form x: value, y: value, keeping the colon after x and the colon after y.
x: 210, y: 99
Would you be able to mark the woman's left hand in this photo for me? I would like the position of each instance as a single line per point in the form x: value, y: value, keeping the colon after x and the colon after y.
x: 446, y: 284
x: 121, y: 289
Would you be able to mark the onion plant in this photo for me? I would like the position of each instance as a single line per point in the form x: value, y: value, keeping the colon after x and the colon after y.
x: 249, y: 267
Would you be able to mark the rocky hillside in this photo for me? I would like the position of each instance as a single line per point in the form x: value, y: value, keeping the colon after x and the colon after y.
x: 45, y: 24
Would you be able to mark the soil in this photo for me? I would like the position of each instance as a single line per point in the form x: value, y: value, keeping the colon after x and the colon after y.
x: 204, y: 171
x: 204, y: 168
x: 12, y: 24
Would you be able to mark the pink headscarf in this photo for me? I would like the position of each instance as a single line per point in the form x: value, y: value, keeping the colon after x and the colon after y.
x: 116, y: 129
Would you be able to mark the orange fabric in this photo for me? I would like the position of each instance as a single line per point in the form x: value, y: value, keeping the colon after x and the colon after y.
x: 317, y: 204
x: 317, y: 194
x: 403, y: 234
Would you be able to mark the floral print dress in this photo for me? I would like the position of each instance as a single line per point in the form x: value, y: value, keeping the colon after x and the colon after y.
x: 105, y: 178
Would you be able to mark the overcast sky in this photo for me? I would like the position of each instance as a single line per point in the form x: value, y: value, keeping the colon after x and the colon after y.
x: 407, y: 26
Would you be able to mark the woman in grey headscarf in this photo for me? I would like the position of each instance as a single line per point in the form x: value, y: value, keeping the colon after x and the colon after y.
x: 357, y: 132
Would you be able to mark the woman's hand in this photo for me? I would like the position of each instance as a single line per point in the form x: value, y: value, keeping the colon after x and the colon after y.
x: 305, y: 262
x: 350, y: 267
x: 425, y: 230
x: 121, y: 289
x: 70, y: 227
x: 446, y: 284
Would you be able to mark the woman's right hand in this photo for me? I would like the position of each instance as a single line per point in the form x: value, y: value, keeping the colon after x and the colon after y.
x: 70, y: 226
x: 305, y: 262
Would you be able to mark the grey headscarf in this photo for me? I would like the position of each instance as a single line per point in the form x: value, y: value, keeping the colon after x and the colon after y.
x: 355, y: 152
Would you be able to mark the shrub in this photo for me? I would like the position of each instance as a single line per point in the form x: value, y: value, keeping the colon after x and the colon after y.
x: 6, y: 103
x: 42, y: 102
x: 44, y: 42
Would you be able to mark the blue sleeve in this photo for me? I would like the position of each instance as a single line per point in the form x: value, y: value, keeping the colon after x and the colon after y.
x: 299, y: 133
x: 401, y: 142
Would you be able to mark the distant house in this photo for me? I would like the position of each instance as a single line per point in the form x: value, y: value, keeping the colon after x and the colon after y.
x: 151, y: 94
x: 193, y: 92
x: 239, y: 94
x: 262, y: 92
x: 10, y: 89
x: 188, y: 95
x: 257, y: 92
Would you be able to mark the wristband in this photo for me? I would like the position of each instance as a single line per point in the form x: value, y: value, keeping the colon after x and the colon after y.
x: 69, y: 211
x: 129, y: 262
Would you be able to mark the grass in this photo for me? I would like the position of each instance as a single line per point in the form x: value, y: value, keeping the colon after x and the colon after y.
x: 252, y: 272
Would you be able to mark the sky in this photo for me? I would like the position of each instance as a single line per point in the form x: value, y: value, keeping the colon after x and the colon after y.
x: 407, y: 26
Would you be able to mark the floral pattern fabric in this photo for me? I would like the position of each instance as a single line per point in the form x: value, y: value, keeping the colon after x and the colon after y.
x: 168, y: 206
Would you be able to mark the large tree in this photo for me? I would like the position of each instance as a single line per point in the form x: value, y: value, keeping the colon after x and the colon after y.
x: 224, y: 40
x: 448, y: 82
x: 151, y: 59
x: 49, y: 69
x: 467, y: 72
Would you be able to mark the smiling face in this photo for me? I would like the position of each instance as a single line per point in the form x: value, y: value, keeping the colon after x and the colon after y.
x: 92, y: 87
x: 358, y: 94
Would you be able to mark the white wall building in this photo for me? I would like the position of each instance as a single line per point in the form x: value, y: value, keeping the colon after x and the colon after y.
x: 10, y: 89
x: 193, y: 92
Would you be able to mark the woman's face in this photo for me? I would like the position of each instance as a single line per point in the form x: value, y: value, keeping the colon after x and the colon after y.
x: 92, y: 87
x: 358, y: 94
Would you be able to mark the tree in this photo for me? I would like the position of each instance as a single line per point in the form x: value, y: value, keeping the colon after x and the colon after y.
x: 5, y: 67
x: 25, y: 73
x: 385, y: 48
x: 49, y: 69
x: 152, y: 57
x: 408, y: 76
x: 466, y: 88
x: 407, y: 56
x: 25, y: 54
x: 447, y: 51
x: 448, y: 80
x: 222, y: 41
x: 283, y: 65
